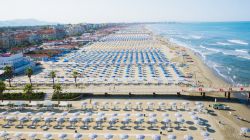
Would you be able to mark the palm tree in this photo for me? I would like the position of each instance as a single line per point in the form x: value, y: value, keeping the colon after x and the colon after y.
x: 53, y: 75
x: 58, y: 91
x: 9, y: 73
x: 29, y: 72
x: 28, y: 90
x: 75, y: 74
x: 2, y: 89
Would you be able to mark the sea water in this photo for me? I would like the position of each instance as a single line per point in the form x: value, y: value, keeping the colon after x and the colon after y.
x: 223, y: 46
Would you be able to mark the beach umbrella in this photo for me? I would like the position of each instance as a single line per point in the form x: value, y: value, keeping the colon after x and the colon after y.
x: 156, y: 137
x: 114, y: 115
x: 4, y: 134
x: 171, y: 137
x: 124, y: 136
x: 127, y: 115
x: 108, y: 136
x: 64, y: 114
x: 101, y: 114
x: 78, y: 136
x: 152, y: 115
x: 139, y: 115
x: 178, y: 114
x: 166, y: 121
x: 18, y: 135
x: 140, y: 137
x: 51, y: 113
x: 205, y: 134
x: 93, y: 136
x: 76, y: 114
x: 191, y: 113
x: 47, y: 136
x: 62, y: 136
x: 152, y: 121
x: 188, y: 137
x: 194, y: 117
x: 32, y: 136
x: 165, y: 115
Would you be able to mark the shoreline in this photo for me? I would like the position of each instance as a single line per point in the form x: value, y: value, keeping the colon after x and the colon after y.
x: 208, y: 72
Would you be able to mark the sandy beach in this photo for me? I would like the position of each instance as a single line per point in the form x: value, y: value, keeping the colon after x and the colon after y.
x: 221, y: 124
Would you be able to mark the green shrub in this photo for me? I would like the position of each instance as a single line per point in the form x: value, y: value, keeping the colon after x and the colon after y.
x: 66, y: 96
x: 22, y: 96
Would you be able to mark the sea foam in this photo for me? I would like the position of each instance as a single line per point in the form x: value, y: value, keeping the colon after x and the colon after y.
x: 240, y: 42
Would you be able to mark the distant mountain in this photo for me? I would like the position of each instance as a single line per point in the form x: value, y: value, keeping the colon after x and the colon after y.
x: 24, y: 22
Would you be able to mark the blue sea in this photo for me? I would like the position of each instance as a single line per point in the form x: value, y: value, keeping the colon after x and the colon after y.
x: 223, y: 46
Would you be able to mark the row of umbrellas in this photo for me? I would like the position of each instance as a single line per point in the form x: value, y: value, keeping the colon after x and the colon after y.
x: 92, y: 136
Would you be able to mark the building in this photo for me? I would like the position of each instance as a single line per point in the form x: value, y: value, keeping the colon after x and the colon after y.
x: 18, y: 62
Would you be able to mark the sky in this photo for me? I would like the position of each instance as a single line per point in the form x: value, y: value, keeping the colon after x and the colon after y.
x: 100, y: 11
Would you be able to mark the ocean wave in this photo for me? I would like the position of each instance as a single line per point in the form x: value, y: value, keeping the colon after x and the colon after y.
x: 196, y: 37
x: 223, y: 43
x: 241, y: 50
x: 240, y: 42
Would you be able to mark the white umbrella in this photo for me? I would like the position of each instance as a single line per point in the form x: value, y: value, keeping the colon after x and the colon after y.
x: 139, y: 115
x: 152, y: 115
x: 171, y: 137
x: 18, y: 135
x: 156, y: 137
x: 4, y: 134
x: 124, y: 136
x: 47, y: 136
x: 178, y: 114
x: 188, y: 137
x: 165, y: 115
x: 64, y: 114
x: 32, y: 136
x: 108, y: 136
x: 194, y: 117
x: 205, y: 134
x: 77, y: 136
x: 140, y: 137
x: 93, y: 136
x: 62, y: 136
